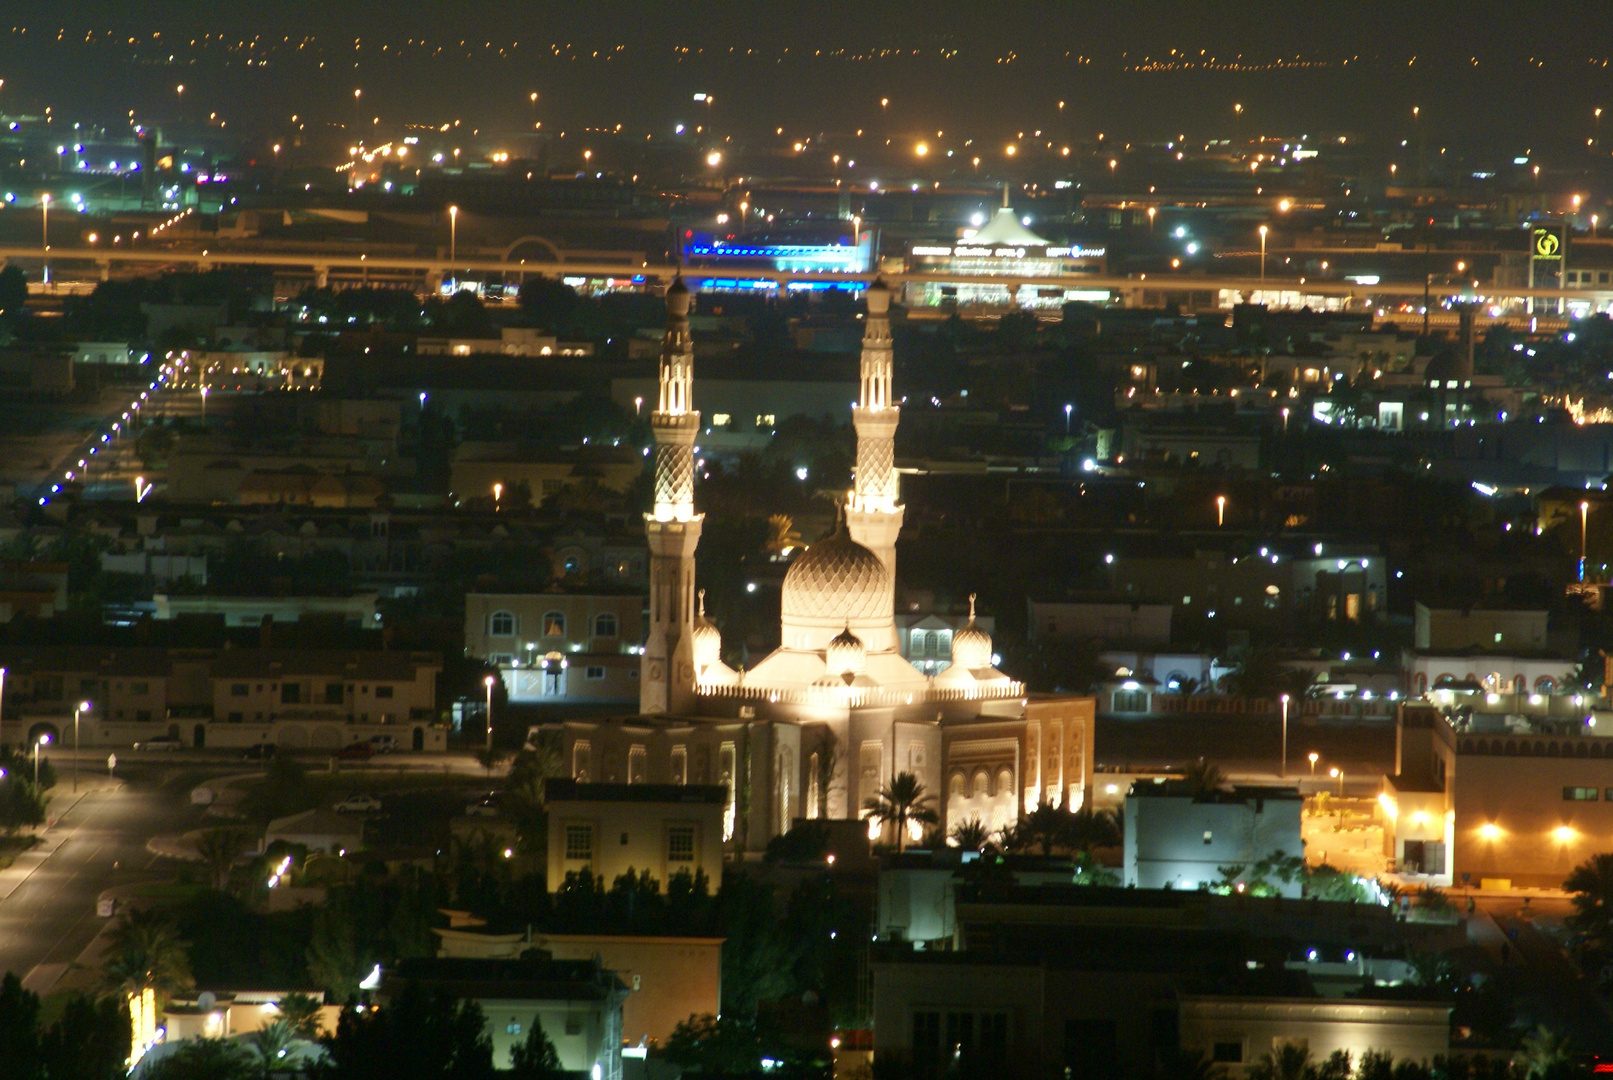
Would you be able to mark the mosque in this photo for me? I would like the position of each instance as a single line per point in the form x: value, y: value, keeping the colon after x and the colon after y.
x: 818, y: 726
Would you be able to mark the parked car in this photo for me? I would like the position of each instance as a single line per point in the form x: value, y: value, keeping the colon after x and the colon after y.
x: 359, y: 751
x: 262, y: 751
x: 159, y: 742
x: 383, y: 744
x: 358, y: 804
x: 487, y: 806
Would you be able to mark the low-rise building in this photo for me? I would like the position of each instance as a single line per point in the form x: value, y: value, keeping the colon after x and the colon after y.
x: 1236, y: 1033
x: 577, y: 1003
x: 556, y: 646
x: 1179, y: 838
x: 668, y: 979
x: 609, y: 829
x: 1488, y: 629
x: 318, y: 830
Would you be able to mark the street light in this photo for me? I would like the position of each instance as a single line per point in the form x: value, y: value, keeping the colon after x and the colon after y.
x: 1067, y: 410
x: 1584, y: 520
x: 1263, y: 257
x: 83, y: 707
x: 204, y: 403
x: 43, y: 739
x: 488, y: 682
x: 498, y: 494
x: 2, y: 707
x: 1340, y: 774
x: 453, y: 232
x: 44, y: 235
x: 1220, y: 510
x: 1315, y: 757
x: 1282, y: 772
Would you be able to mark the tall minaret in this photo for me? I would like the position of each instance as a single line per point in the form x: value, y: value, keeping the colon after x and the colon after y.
x: 667, y: 675
x: 874, y: 516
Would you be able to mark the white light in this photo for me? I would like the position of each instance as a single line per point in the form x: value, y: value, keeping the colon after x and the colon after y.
x: 373, y: 981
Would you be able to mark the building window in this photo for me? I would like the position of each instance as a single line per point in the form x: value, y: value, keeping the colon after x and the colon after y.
x: 680, y: 844
x: 291, y: 693
x: 637, y: 758
x: 333, y: 694
x: 680, y: 765
x: 1227, y: 1053
x: 1579, y: 794
x: 605, y: 625
x: 139, y: 688
x: 594, y: 673
x: 502, y: 624
x: 1135, y: 701
x: 554, y: 624
x: 383, y: 691
x: 238, y: 689
x: 579, y: 843
x: 581, y: 752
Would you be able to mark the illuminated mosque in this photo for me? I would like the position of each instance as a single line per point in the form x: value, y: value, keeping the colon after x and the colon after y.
x: 822, y: 723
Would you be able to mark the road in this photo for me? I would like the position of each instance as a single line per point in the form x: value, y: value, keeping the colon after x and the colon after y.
x: 1555, y: 993
x: 49, y: 919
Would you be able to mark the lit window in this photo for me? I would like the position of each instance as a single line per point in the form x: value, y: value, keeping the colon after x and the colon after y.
x: 680, y: 843
x: 580, y: 843
x: 554, y: 624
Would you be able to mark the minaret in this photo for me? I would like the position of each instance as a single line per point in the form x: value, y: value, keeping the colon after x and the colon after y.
x: 667, y: 674
x: 874, y: 517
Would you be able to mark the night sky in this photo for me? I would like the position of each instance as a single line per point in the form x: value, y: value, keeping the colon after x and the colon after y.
x: 989, y: 69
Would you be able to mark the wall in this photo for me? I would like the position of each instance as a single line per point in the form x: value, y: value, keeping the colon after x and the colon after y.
x: 1457, y: 629
x: 668, y: 979
x: 1512, y: 819
x: 1256, y: 1026
x: 1173, y: 842
x: 634, y: 835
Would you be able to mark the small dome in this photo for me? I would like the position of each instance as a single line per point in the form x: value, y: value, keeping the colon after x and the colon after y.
x: 706, y: 639
x: 836, y: 578
x: 971, y: 646
x: 846, y: 655
x: 677, y: 297
x: 878, y: 297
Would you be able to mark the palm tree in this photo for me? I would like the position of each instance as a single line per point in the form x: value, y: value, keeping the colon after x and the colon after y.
x: 782, y: 537
x: 301, y: 1011
x: 146, y: 952
x: 274, y: 1042
x: 971, y: 835
x: 1543, y: 1052
x: 1287, y: 1061
x: 904, y: 799
x: 1203, y: 780
x: 1089, y: 828
x: 219, y: 848
x: 1046, y: 827
x: 1591, y: 882
x: 491, y: 758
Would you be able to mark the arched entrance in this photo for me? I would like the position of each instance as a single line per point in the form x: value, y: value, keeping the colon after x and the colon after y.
x: 200, y: 739
x: 418, y: 740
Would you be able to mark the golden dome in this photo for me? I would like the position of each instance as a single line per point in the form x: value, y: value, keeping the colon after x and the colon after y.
x: 971, y: 647
x: 706, y: 639
x: 836, y: 578
x: 846, y: 654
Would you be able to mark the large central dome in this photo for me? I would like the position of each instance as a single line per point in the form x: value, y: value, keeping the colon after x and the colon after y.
x: 836, y: 579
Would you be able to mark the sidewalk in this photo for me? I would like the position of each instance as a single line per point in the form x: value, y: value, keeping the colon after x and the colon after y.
x: 51, y: 837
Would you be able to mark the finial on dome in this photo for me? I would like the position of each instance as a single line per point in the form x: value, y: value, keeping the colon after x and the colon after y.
x: 971, y: 606
x: 701, y: 597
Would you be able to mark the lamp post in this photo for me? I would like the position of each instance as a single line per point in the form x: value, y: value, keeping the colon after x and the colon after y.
x: 1282, y: 771
x: 1314, y: 757
x: 1220, y: 510
x: 1584, y: 521
x: 41, y: 741
x: 1263, y: 231
x: 204, y: 402
x: 83, y: 707
x: 1340, y: 774
x: 488, y: 682
x: 498, y: 496
x: 2, y: 707
x: 1068, y: 408
x: 453, y: 232
x: 44, y: 238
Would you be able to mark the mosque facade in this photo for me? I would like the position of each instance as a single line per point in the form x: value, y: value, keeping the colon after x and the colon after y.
x: 821, y: 724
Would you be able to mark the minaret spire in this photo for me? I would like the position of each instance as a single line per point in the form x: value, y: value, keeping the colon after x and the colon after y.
x: 874, y: 517
x: 667, y: 675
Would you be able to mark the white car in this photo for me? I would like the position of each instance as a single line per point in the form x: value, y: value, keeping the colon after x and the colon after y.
x: 358, y: 804
x: 484, y: 807
x: 159, y: 742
